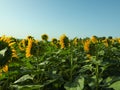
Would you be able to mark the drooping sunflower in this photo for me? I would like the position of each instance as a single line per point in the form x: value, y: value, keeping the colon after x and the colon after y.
x: 44, y: 37
x: 94, y: 39
x: 7, y: 52
x: 32, y: 48
x: 75, y: 41
x: 28, y: 48
x: 105, y: 42
x: 64, y: 41
x: 87, y: 45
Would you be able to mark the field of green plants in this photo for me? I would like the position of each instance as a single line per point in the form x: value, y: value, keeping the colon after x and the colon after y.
x: 91, y: 63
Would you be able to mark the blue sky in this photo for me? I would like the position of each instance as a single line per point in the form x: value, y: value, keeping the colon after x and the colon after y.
x: 75, y: 18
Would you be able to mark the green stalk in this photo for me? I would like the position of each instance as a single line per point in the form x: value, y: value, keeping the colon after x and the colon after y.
x: 71, y: 63
x: 97, y: 76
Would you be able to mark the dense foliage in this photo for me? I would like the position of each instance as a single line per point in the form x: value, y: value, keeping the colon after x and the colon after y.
x: 64, y: 64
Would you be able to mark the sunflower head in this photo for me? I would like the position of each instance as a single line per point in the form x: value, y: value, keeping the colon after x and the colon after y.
x: 105, y: 42
x: 5, y: 68
x: 44, y: 37
x: 33, y: 48
x: 110, y: 37
x: 87, y: 45
x: 29, y: 37
x: 64, y: 41
x: 6, y: 50
x: 28, y: 48
x: 75, y: 41
x: 94, y: 39
x: 22, y: 44
x: 54, y: 41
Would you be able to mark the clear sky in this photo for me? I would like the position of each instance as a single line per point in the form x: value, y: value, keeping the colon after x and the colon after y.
x: 75, y: 18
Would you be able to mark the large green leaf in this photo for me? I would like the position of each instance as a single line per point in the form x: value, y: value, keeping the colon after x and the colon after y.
x: 115, y: 85
x: 23, y: 78
x: 113, y: 82
x: 110, y: 80
x: 77, y: 84
x: 26, y: 87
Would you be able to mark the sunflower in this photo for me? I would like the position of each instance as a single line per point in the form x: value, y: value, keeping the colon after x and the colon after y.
x: 36, y: 48
x: 64, y: 41
x: 94, y: 39
x: 7, y: 51
x: 22, y: 44
x: 112, y: 40
x: 32, y: 47
x: 44, y: 37
x: 58, y: 44
x: 119, y: 40
x: 75, y: 41
x: 54, y: 41
x: 28, y: 48
x: 87, y: 45
x: 29, y: 37
x: 5, y: 68
x: 105, y: 42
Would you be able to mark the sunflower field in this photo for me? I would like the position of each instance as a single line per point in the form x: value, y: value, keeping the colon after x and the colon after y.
x: 91, y: 63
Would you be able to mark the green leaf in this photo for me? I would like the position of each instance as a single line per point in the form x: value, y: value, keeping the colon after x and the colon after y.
x: 92, y: 81
x: 2, y: 52
x: 108, y: 80
x: 86, y: 67
x: 78, y: 84
x: 23, y: 78
x: 49, y: 82
x: 115, y: 85
x: 3, y: 61
x: 30, y: 86
x: 111, y: 80
x: 26, y: 87
x: 101, y: 53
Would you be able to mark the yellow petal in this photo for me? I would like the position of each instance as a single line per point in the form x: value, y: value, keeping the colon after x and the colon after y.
x: 5, y: 68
